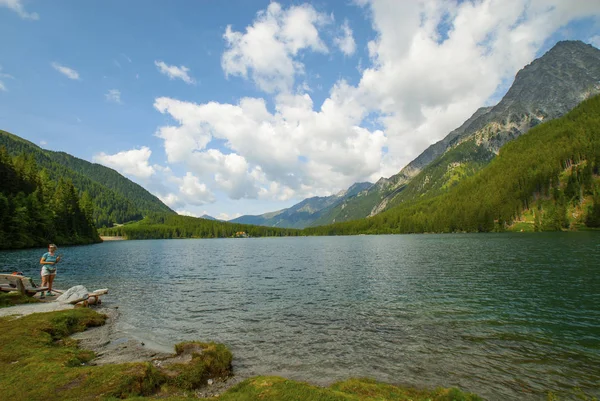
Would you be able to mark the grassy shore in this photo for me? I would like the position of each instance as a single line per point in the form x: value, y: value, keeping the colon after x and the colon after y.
x: 39, y: 360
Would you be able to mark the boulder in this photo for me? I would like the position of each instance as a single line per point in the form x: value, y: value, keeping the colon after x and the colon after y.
x: 73, y: 295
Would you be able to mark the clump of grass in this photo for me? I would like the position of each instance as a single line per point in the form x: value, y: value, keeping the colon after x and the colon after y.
x: 14, y: 298
x: 141, y: 379
x: 39, y: 361
x: 276, y: 388
x: 204, y: 361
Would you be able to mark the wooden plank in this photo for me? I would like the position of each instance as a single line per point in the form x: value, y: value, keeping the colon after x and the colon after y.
x: 20, y: 287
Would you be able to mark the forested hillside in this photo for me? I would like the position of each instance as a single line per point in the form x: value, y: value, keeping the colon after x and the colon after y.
x: 547, y: 88
x: 35, y: 210
x: 115, y: 198
x: 161, y: 225
x: 550, y: 173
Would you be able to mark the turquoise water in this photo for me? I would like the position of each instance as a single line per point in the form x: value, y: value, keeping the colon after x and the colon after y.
x: 508, y: 316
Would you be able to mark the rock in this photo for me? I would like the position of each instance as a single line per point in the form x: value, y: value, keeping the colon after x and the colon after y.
x: 73, y: 295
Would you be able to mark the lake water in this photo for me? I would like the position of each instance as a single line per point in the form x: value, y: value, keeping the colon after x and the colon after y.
x: 507, y: 316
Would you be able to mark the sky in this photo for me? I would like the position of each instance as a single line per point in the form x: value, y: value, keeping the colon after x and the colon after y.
x: 240, y: 107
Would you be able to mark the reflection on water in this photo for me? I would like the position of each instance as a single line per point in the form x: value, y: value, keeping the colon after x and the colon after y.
x: 508, y: 316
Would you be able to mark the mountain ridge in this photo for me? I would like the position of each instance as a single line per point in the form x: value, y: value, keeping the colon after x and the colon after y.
x: 306, y: 210
x: 546, y: 88
x: 116, y: 198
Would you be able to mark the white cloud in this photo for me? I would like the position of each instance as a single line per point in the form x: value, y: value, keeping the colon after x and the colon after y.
x: 266, y: 51
x: 182, y: 212
x: 3, y: 75
x: 227, y: 217
x: 435, y: 62
x: 172, y: 201
x: 131, y: 162
x: 113, y: 95
x: 17, y: 6
x: 432, y: 64
x: 345, y: 41
x: 173, y: 72
x: 293, y: 151
x: 66, y: 71
x: 595, y: 41
x: 43, y: 143
x: 194, y: 192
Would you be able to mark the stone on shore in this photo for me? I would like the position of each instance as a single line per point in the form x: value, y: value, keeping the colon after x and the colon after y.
x: 73, y: 295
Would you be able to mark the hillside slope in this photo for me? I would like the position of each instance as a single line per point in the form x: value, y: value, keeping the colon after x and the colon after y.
x: 551, y: 173
x: 116, y: 199
x: 545, y: 89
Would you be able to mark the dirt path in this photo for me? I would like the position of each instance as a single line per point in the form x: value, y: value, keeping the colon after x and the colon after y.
x: 27, y: 309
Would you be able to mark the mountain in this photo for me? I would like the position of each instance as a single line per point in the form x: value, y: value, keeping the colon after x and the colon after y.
x: 35, y: 212
x: 546, y: 89
x: 116, y: 199
x: 546, y: 180
x: 207, y: 217
x: 304, y: 213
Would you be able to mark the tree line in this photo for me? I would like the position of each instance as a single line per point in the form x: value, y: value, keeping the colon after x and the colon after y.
x: 115, y: 198
x: 35, y: 210
x: 162, y: 225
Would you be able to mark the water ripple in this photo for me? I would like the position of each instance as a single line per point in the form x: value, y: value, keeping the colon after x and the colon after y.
x: 508, y: 316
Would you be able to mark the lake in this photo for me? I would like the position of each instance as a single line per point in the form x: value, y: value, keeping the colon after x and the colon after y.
x: 507, y: 316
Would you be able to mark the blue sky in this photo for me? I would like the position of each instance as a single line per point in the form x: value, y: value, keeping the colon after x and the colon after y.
x: 245, y: 107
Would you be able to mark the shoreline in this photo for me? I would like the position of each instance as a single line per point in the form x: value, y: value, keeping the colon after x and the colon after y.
x: 112, y: 238
x: 113, y: 346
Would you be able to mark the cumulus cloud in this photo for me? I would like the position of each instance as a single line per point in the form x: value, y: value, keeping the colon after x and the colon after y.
x: 113, y: 95
x: 266, y: 51
x: 194, y: 192
x: 171, y: 200
x: 435, y: 62
x: 431, y: 65
x: 227, y: 217
x: 66, y: 71
x: 295, y: 150
x: 345, y: 41
x: 131, y: 162
x: 182, y: 212
x: 174, y: 72
x: 17, y: 6
x: 595, y: 41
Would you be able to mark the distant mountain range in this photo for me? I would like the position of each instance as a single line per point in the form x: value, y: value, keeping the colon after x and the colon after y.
x: 546, y: 89
x: 116, y: 199
x: 304, y: 213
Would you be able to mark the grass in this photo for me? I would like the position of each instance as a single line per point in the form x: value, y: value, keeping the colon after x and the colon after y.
x: 14, y: 298
x: 277, y: 388
x: 38, y: 360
